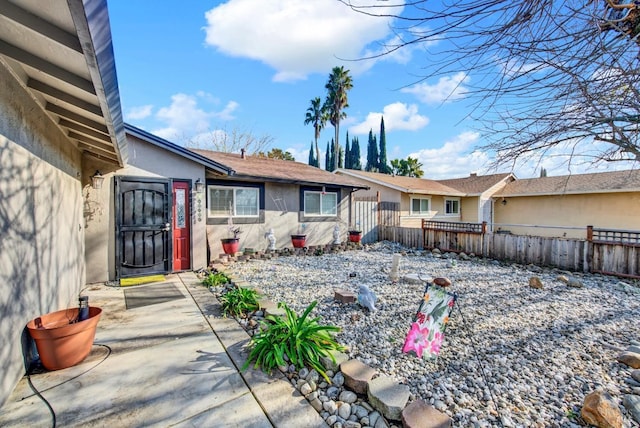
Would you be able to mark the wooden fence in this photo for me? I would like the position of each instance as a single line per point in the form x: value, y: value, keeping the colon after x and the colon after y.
x: 611, y: 252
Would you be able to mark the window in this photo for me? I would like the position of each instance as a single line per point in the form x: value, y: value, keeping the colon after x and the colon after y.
x: 237, y: 201
x: 320, y: 203
x: 451, y: 206
x: 419, y: 206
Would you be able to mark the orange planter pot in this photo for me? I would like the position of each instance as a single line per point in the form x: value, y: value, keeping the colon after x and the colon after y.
x: 299, y: 241
x: 60, y: 344
x: 230, y: 245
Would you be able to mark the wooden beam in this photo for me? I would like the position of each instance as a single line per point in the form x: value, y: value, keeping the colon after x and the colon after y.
x: 101, y: 157
x: 39, y: 25
x: 89, y: 132
x: 29, y: 59
x: 91, y: 142
x: 76, y: 117
x: 63, y: 96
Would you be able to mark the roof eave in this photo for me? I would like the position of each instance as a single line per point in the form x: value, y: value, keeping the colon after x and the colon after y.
x: 179, y: 150
x: 91, y: 18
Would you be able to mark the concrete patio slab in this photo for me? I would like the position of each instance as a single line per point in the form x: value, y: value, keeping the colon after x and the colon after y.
x: 174, y: 363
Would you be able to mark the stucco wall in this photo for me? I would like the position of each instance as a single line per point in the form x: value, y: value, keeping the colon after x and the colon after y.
x: 145, y: 160
x: 612, y: 210
x: 41, y: 233
x: 469, y: 208
x: 282, y: 202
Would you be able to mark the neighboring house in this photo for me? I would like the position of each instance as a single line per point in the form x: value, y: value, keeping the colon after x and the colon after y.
x: 288, y: 197
x: 569, y: 204
x: 477, y: 204
x: 59, y: 117
x: 457, y: 200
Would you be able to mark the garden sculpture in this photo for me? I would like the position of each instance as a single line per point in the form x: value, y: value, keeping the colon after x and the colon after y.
x: 366, y: 298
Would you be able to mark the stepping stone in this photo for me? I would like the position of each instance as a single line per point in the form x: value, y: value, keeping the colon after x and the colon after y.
x: 271, y: 308
x: 388, y: 396
x: 344, y: 296
x: 420, y: 414
x: 356, y: 375
x: 328, y: 363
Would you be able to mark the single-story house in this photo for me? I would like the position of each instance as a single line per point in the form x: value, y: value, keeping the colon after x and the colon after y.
x: 59, y: 115
x: 465, y: 199
x: 564, y: 206
x: 288, y: 197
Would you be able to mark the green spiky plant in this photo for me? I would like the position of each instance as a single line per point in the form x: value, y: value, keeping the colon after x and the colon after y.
x: 302, y: 339
x: 213, y: 279
x: 239, y: 301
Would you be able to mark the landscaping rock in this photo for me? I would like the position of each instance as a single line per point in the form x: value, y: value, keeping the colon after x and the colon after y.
x: 388, y: 396
x: 356, y: 375
x: 635, y: 374
x: 535, y: 282
x: 330, y: 364
x: 420, y: 414
x: 442, y: 282
x: 600, y: 410
x: 348, y: 397
x: 575, y: 283
x: 631, y: 359
x: 632, y: 404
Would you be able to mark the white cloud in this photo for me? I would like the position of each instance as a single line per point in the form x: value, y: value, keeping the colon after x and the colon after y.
x: 140, y: 112
x: 185, y: 118
x: 397, y: 116
x: 448, y: 88
x: 298, y: 37
x: 456, y: 158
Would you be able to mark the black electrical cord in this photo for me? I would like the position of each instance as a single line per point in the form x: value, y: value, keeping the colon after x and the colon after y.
x: 39, y: 393
x: 44, y: 400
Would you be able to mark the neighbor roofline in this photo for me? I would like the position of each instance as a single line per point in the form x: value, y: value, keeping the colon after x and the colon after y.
x: 400, y: 188
x: 178, y: 150
x: 262, y: 178
x: 573, y: 192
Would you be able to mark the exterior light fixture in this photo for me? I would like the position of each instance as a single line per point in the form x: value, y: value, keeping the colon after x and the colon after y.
x: 96, y: 180
x: 199, y: 186
x: 504, y: 201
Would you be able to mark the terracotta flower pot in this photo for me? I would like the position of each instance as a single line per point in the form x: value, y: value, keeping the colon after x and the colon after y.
x: 355, y: 235
x: 230, y: 245
x: 299, y: 241
x: 60, y: 344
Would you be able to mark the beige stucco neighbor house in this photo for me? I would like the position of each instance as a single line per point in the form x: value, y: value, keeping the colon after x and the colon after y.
x: 465, y: 199
x: 59, y: 117
x: 609, y: 200
x: 263, y: 194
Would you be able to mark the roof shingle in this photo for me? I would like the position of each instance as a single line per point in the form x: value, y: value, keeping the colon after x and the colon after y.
x: 405, y: 184
x: 256, y: 168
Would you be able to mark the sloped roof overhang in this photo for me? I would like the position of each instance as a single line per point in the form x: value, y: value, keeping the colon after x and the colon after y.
x: 61, y: 53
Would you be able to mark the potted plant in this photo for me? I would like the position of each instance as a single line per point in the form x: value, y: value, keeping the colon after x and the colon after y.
x: 64, y: 338
x: 299, y: 240
x: 355, y: 234
x: 232, y: 245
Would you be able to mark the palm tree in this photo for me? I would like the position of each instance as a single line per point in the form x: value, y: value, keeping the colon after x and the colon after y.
x: 317, y: 115
x: 337, y: 86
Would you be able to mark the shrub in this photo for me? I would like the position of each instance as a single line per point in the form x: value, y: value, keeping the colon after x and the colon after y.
x: 301, y: 339
x: 214, y: 279
x: 239, y: 301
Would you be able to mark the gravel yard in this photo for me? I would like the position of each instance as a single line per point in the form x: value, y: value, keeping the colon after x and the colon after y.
x: 512, y: 353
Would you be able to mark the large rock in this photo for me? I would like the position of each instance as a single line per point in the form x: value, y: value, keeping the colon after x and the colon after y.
x: 420, y: 414
x: 632, y: 404
x: 631, y: 359
x: 356, y: 375
x: 535, y: 282
x: 388, y: 396
x: 600, y: 410
x: 329, y: 364
x: 636, y: 375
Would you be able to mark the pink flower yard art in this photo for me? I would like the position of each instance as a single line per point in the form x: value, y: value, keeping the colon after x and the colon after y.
x: 427, y: 329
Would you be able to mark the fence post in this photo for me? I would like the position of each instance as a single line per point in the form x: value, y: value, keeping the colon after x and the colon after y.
x: 482, y: 236
x: 588, y: 252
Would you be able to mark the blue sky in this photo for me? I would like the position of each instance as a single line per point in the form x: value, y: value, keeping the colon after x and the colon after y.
x: 187, y: 69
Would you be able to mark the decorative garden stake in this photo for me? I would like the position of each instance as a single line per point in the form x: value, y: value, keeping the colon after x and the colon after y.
x: 336, y: 234
x: 271, y: 237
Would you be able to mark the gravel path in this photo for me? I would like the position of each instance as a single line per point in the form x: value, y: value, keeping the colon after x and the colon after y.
x: 527, y: 356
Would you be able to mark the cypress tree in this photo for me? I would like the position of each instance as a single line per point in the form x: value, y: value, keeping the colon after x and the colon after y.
x: 312, y: 159
x: 327, y: 158
x: 382, y: 164
x: 347, y: 154
x: 340, y: 157
x: 355, y: 154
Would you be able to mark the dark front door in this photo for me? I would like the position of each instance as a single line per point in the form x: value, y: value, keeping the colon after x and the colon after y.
x: 143, y: 226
